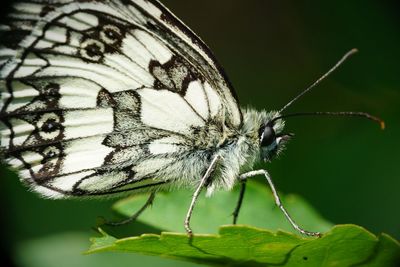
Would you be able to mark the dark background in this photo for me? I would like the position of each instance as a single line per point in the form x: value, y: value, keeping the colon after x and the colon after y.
x: 346, y: 168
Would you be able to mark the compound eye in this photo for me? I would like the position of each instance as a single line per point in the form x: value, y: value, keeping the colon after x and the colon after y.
x: 267, y: 136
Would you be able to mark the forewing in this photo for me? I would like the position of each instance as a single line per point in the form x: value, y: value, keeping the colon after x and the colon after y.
x: 100, y: 96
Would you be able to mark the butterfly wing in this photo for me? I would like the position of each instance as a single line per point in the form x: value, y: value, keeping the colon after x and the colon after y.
x: 99, y: 97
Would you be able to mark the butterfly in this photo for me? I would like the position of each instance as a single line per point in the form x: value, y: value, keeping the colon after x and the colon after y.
x: 103, y: 98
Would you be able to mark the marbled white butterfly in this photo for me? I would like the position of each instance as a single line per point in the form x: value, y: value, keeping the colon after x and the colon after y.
x: 106, y: 97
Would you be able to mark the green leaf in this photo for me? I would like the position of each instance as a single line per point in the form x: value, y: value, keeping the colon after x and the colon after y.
x: 106, y: 241
x: 259, y: 209
x: 343, y: 245
x: 242, y: 245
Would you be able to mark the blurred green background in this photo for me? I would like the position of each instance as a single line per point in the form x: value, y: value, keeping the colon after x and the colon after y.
x: 346, y: 168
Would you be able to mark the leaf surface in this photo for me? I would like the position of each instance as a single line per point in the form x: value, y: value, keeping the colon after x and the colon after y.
x: 343, y: 245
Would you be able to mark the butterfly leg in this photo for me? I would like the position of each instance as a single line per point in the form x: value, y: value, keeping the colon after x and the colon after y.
x: 197, y: 193
x: 135, y: 215
x: 278, y: 200
x: 235, y: 213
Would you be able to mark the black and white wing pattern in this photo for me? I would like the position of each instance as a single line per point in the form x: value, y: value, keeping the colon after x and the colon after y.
x: 98, y: 97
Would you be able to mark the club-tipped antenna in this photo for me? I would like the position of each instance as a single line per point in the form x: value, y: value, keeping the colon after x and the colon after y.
x: 347, y: 55
x: 329, y: 113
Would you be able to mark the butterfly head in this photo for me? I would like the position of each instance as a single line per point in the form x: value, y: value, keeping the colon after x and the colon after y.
x: 272, y: 140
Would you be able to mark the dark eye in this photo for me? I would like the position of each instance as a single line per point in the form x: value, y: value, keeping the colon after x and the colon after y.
x: 267, y: 136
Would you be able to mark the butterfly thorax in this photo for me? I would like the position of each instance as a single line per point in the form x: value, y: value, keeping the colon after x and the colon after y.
x: 212, y: 136
x: 243, y: 150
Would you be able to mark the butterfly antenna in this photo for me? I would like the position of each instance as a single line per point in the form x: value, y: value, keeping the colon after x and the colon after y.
x: 342, y: 113
x: 347, y: 55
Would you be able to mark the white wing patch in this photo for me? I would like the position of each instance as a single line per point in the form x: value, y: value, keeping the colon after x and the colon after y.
x: 88, y: 123
x: 151, y: 166
x: 149, y: 7
x: 213, y: 99
x: 166, y: 110
x: 21, y: 129
x: 161, y: 53
x: 31, y: 8
x: 56, y: 34
x: 67, y: 182
x: 84, y: 154
x: 47, y: 192
x: 80, y: 21
x: 166, y: 145
x: 107, y: 181
x: 197, y: 98
x: 78, y: 93
x: 133, y: 49
x: 134, y: 71
x: 30, y: 157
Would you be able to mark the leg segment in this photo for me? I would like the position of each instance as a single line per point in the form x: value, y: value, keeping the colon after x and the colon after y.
x: 240, y: 200
x: 197, y: 193
x: 134, y: 216
x: 278, y: 200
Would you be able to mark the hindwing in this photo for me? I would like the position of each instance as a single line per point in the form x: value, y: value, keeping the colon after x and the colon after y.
x: 99, y: 97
